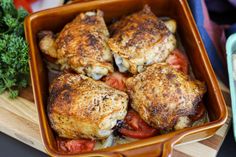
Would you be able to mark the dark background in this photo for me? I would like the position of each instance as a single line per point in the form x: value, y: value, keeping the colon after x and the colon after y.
x: 10, y: 147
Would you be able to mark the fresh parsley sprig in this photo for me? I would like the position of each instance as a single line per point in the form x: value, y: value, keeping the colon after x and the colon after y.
x: 14, y: 69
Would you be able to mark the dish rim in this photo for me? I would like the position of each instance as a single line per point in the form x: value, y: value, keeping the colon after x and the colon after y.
x: 167, y: 140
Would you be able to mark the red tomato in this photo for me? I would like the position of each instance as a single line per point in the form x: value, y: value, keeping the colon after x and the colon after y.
x: 178, y: 61
x: 76, y: 146
x: 61, y: 144
x: 136, y: 127
x: 26, y: 4
x: 116, y: 80
x: 200, y: 112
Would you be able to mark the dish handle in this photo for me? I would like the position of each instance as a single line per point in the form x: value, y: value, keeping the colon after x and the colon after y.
x: 145, y: 151
x: 163, y: 149
x: 168, y: 148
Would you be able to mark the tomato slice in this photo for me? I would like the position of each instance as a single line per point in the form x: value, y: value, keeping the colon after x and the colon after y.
x: 135, y: 127
x: 178, y: 61
x: 23, y: 3
x: 75, y: 146
x: 116, y: 80
x: 200, y: 112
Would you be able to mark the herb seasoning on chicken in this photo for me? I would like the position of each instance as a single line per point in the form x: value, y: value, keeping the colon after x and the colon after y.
x: 80, y: 107
x: 81, y: 45
x: 139, y: 40
x: 162, y: 94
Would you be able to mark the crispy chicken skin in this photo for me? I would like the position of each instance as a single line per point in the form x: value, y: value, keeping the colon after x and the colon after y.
x: 162, y: 94
x: 47, y: 43
x: 80, y: 107
x: 140, y: 39
x: 82, y: 45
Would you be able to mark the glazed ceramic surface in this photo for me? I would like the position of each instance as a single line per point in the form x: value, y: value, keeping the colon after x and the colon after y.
x: 162, y: 145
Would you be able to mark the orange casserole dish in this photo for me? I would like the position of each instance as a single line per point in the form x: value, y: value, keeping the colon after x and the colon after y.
x: 162, y: 145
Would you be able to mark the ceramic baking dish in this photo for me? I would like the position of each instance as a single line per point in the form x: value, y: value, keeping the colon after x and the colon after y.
x: 55, y: 19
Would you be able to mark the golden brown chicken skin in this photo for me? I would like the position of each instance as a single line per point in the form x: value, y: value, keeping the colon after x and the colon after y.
x: 80, y: 107
x: 140, y: 39
x: 82, y: 45
x: 162, y: 94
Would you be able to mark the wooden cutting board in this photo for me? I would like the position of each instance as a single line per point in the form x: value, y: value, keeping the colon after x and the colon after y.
x: 19, y: 119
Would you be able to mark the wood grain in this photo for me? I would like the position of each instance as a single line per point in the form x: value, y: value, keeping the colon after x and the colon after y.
x: 20, y: 106
x: 20, y: 128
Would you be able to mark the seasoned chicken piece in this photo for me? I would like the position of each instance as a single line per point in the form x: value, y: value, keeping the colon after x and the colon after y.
x: 171, y: 25
x: 80, y: 107
x: 139, y: 40
x: 47, y: 43
x: 82, y: 45
x: 162, y: 94
x: 182, y: 122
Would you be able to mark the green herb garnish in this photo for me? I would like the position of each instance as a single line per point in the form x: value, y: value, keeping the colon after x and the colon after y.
x: 14, y: 68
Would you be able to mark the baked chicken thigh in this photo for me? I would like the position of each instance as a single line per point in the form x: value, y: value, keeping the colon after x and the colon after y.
x: 81, y: 45
x: 162, y: 94
x: 80, y: 107
x: 139, y: 40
